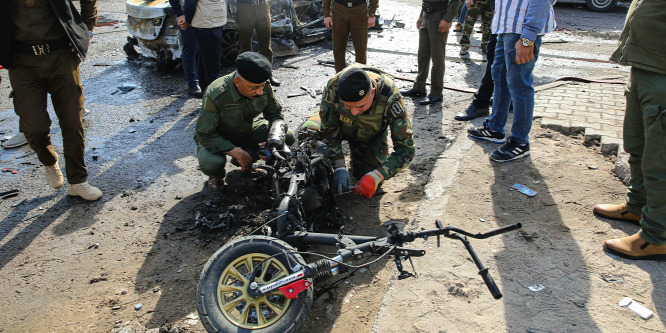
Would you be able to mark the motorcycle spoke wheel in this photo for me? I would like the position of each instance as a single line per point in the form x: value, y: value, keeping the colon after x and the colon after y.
x: 235, y: 302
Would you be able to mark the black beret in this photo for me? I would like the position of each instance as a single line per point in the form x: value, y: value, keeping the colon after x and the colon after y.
x: 253, y: 67
x: 354, y: 84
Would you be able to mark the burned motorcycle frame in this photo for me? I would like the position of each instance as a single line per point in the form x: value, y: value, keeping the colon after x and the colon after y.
x: 261, y: 283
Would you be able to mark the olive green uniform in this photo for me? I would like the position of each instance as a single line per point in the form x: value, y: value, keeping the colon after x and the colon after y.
x: 367, y: 133
x: 35, y: 75
x: 255, y: 15
x: 479, y: 8
x: 349, y: 18
x: 432, y: 44
x: 642, y: 47
x: 226, y: 120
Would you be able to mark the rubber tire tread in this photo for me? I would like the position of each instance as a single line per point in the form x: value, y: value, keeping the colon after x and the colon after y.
x: 214, y: 320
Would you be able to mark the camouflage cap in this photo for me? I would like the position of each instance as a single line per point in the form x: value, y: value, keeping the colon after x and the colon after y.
x: 354, y: 84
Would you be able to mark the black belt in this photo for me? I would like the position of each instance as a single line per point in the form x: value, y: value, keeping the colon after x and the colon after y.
x: 351, y: 4
x: 431, y: 8
x: 252, y: 2
x: 41, y: 49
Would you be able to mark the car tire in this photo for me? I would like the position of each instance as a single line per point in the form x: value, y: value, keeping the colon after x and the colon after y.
x: 601, y: 5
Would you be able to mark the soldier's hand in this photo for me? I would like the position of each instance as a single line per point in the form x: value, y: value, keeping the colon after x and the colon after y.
x: 371, y: 21
x: 341, y: 181
x: 418, y: 23
x: 470, y: 3
x: 444, y: 26
x: 368, y: 184
x: 242, y: 157
x: 328, y: 22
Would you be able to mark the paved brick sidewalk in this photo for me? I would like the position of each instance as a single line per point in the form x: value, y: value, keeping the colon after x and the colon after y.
x: 597, y: 109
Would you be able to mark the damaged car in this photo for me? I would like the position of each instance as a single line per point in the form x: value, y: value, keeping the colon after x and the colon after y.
x: 153, y: 29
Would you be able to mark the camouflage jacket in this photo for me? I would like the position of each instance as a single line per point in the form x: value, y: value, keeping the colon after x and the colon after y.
x: 387, y: 111
x: 227, y: 116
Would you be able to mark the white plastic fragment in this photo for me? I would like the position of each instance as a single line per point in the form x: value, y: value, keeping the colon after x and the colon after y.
x: 632, y: 305
x: 536, y: 287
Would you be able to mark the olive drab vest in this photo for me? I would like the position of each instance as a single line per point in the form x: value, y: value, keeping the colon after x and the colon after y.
x: 372, y: 124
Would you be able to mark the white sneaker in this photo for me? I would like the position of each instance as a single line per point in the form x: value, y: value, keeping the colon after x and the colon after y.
x: 53, y: 175
x: 17, y: 140
x: 84, y: 190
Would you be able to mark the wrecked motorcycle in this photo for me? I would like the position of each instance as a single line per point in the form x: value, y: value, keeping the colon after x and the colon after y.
x: 261, y: 283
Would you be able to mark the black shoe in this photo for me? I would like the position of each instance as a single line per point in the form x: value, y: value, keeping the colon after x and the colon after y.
x: 195, y: 91
x: 413, y: 93
x: 472, y: 112
x: 485, y: 133
x: 431, y: 99
x: 274, y: 82
x: 510, y: 151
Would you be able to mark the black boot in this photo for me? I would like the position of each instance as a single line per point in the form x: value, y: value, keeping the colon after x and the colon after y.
x: 472, y: 112
x: 413, y: 93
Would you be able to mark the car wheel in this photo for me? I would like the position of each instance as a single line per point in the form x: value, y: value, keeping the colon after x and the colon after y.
x: 230, y: 46
x: 601, y: 5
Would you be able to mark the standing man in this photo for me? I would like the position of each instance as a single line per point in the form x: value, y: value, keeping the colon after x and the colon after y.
x: 226, y: 125
x: 255, y: 15
x: 43, y: 42
x: 434, y: 23
x: 188, y: 50
x: 642, y: 47
x: 476, y: 8
x: 360, y: 105
x: 206, y: 18
x: 349, y: 17
x: 519, y: 26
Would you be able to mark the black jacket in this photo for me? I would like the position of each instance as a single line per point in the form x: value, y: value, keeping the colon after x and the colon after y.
x: 69, y: 17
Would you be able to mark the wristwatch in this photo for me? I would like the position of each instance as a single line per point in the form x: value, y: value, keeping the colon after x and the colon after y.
x: 526, y: 42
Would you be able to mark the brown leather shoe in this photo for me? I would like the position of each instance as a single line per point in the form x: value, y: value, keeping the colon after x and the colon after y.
x: 634, y: 247
x: 215, y: 184
x: 616, y: 212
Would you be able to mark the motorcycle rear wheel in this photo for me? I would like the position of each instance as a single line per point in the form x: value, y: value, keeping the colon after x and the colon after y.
x: 223, y: 302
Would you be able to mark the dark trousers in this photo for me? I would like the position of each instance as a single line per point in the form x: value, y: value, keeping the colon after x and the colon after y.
x: 349, y: 21
x: 645, y: 140
x: 432, y: 46
x: 209, y: 55
x: 32, y: 78
x: 188, y: 50
x: 482, y: 96
x: 255, y: 18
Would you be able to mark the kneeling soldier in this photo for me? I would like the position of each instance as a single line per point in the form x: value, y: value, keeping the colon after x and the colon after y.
x: 361, y: 103
x: 225, y: 125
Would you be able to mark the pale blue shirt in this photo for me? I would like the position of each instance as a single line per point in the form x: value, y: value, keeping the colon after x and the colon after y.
x: 528, y: 18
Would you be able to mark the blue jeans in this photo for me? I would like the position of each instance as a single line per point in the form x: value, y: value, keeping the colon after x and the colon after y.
x: 513, y: 83
x: 188, y: 50
x: 463, y: 13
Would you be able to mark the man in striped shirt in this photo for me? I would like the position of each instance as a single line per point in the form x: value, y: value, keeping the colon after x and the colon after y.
x: 519, y: 25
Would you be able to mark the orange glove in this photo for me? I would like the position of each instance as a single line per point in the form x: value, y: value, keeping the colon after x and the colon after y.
x: 367, y: 185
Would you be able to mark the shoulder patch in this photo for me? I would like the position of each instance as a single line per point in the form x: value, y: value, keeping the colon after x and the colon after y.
x: 397, y: 109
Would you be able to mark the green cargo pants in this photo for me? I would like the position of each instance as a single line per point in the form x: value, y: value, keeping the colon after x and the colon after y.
x: 251, y: 18
x: 32, y: 78
x: 645, y: 141
x: 212, y: 164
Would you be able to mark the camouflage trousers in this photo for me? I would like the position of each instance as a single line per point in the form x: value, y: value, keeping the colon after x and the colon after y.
x: 366, y: 157
x: 479, y: 8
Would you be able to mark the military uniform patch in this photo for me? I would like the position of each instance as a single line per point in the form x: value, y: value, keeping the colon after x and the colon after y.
x: 397, y: 109
x: 346, y: 120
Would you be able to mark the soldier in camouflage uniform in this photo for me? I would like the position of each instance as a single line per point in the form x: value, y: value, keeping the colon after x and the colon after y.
x: 475, y: 9
x: 361, y: 103
x: 225, y: 126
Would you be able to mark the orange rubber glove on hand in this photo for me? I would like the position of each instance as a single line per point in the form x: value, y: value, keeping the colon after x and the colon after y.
x: 367, y: 185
